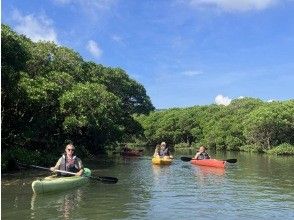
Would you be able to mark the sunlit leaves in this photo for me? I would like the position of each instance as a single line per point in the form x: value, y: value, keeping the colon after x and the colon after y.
x: 271, y: 124
x: 224, y: 127
x: 90, y: 105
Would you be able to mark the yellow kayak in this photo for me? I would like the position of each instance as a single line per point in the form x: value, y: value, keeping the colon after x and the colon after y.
x: 166, y: 160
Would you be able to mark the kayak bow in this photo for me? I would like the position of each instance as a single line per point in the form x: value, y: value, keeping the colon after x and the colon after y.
x: 166, y: 160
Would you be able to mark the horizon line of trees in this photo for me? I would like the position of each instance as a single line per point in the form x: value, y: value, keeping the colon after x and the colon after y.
x: 245, y: 124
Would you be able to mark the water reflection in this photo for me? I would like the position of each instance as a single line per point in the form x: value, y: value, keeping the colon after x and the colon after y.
x: 208, y: 175
x: 63, y: 203
x: 205, y: 171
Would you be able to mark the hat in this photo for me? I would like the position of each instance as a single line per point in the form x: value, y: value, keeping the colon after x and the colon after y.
x: 163, y: 143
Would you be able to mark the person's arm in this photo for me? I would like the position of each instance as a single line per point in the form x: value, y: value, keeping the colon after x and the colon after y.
x: 81, y: 168
x: 166, y: 152
x: 197, y: 155
x: 56, y: 165
x: 170, y: 155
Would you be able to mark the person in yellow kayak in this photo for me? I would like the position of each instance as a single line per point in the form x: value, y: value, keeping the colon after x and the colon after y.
x: 202, y: 154
x: 69, y: 162
x: 162, y: 150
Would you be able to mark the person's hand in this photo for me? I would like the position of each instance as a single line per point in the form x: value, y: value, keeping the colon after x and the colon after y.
x: 52, y: 169
x: 80, y: 173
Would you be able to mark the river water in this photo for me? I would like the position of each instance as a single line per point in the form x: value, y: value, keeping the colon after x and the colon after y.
x: 256, y: 187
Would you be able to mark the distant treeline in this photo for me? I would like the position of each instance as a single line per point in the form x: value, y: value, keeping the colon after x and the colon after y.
x: 49, y: 94
x: 246, y: 124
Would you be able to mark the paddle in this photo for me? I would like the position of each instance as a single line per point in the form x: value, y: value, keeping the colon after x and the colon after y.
x: 103, y: 179
x: 187, y: 159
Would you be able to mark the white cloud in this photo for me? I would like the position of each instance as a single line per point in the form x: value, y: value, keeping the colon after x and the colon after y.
x: 234, y: 5
x: 191, y: 73
x: 98, y: 4
x: 88, y: 4
x: 222, y: 100
x: 94, y: 49
x: 94, y: 9
x: 62, y: 2
x: 116, y: 38
x: 35, y: 27
x: 270, y: 100
x: 241, y: 97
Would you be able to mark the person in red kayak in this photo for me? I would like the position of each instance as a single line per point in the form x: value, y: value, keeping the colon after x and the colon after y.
x: 69, y: 162
x: 202, y: 154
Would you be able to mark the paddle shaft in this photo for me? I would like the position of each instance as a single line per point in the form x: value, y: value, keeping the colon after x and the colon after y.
x: 104, y: 179
x: 186, y: 159
x: 59, y: 171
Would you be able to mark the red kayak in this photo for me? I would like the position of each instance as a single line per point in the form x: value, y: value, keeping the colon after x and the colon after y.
x: 209, y: 163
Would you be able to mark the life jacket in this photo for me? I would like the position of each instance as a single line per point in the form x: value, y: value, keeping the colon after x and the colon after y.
x: 164, y: 152
x: 70, y: 165
x: 203, y: 156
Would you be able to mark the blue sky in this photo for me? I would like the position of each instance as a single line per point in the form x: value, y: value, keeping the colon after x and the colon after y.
x: 184, y: 52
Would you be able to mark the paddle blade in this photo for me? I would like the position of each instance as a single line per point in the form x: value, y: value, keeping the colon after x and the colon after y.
x: 186, y: 159
x: 105, y: 179
x: 232, y: 160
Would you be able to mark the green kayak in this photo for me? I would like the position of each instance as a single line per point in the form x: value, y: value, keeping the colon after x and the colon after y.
x: 50, y: 184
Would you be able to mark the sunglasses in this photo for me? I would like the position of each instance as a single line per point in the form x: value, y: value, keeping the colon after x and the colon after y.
x: 70, y: 149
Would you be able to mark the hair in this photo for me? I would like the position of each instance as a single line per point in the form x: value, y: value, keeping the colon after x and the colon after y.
x: 203, y: 147
x: 67, y: 141
x: 69, y: 145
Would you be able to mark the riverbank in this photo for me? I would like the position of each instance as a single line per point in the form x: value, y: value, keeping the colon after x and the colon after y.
x: 9, y: 158
x: 283, y: 149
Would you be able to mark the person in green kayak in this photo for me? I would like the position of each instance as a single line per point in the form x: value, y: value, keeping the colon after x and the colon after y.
x: 162, y: 150
x: 202, y: 154
x: 69, y: 162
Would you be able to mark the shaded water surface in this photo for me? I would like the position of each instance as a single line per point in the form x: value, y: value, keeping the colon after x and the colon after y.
x: 257, y: 187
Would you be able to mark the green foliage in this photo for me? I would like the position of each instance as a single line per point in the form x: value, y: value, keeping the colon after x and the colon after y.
x: 251, y: 148
x: 90, y: 105
x: 233, y: 143
x: 283, y: 149
x: 14, y: 155
x: 271, y: 124
x: 14, y: 55
x: 47, y: 57
x: 182, y: 145
x: 245, y: 124
x: 50, y: 94
x: 132, y: 94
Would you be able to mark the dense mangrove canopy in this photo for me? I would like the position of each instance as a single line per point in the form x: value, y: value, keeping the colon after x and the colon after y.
x: 50, y: 94
x: 242, y: 125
